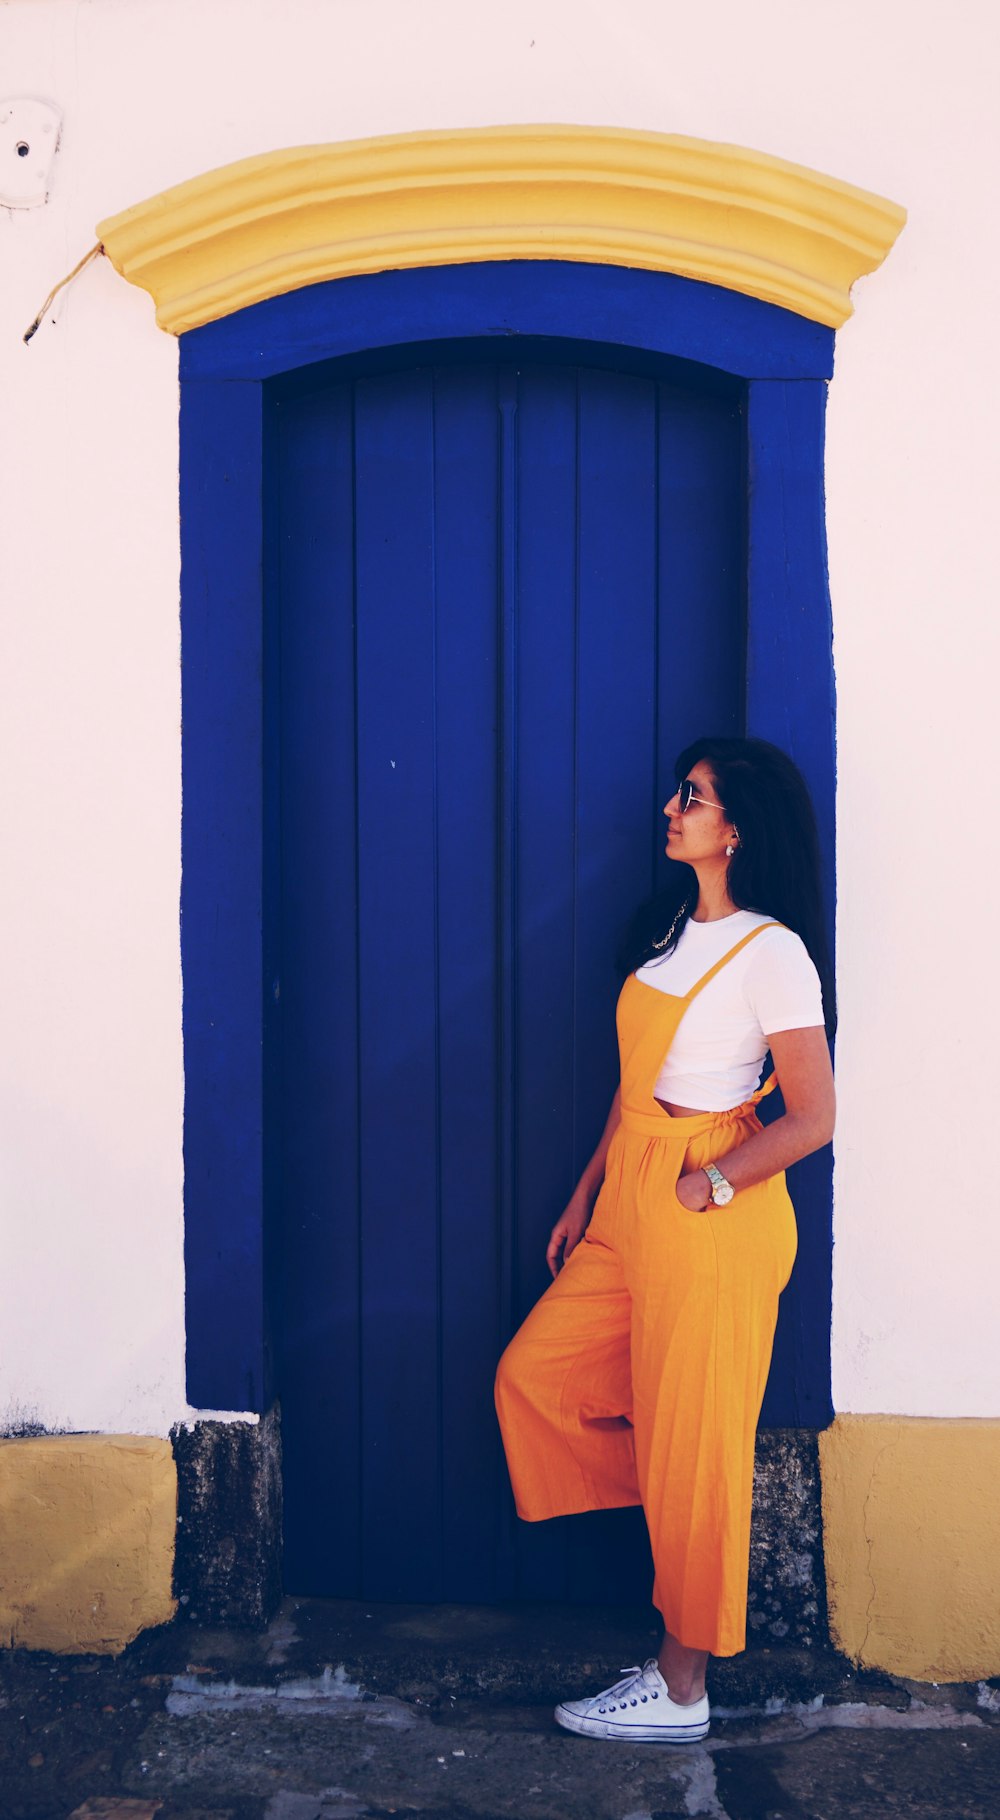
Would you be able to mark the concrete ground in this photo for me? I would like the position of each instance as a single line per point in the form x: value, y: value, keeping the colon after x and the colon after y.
x: 344, y: 1710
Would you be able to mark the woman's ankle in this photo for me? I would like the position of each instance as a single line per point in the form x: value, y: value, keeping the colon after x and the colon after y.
x: 683, y: 1670
x: 683, y: 1691
x: 681, y: 1695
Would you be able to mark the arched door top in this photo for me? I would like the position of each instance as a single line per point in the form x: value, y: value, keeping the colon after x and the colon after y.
x: 722, y: 214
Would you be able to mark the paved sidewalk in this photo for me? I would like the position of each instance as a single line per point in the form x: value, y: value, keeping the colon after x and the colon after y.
x: 341, y: 1711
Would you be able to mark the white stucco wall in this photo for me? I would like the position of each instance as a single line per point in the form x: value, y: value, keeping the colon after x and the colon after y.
x: 885, y: 95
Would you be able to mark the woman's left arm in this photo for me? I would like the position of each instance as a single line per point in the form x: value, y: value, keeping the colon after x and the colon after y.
x: 802, y: 1064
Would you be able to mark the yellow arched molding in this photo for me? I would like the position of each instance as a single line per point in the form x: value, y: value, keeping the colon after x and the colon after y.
x: 605, y: 195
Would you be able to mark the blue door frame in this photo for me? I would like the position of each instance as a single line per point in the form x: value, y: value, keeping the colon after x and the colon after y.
x: 229, y: 370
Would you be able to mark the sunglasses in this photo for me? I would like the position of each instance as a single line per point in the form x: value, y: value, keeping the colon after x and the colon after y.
x: 687, y: 795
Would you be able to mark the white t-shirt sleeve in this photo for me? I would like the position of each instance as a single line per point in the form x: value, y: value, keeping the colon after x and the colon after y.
x: 782, y: 985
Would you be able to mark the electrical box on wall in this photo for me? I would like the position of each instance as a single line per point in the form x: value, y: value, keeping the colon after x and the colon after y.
x: 29, y: 139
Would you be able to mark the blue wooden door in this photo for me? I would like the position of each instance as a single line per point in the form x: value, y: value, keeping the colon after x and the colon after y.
x: 508, y: 594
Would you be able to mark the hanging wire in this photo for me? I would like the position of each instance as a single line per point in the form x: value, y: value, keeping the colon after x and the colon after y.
x: 63, y: 281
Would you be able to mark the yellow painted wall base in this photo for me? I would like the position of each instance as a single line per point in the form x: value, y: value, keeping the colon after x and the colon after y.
x: 911, y: 1533
x: 87, y: 1526
x: 911, y: 1527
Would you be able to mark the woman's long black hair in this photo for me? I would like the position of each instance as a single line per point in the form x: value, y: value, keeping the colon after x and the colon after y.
x: 776, y: 868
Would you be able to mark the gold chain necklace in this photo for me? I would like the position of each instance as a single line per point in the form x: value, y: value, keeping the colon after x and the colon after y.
x: 673, y: 926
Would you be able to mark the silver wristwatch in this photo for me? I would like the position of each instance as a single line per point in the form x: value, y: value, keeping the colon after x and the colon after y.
x: 722, y: 1191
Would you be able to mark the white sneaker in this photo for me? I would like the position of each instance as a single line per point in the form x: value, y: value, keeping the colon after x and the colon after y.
x: 637, y: 1707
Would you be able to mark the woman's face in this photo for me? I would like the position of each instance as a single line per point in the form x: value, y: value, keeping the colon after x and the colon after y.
x: 703, y: 831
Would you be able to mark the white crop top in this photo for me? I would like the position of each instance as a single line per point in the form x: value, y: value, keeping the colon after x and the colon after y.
x: 720, y: 1046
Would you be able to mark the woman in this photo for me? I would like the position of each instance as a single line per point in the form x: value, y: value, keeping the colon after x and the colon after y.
x: 639, y: 1375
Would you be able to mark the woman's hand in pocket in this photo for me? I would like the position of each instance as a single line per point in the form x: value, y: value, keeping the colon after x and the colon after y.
x: 568, y: 1231
x: 694, y: 1191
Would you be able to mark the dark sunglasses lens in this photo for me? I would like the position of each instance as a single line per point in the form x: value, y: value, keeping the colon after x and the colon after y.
x: 685, y: 791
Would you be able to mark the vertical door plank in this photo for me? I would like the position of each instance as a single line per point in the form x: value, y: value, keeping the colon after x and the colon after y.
x: 616, y: 698
x: 320, y: 1356
x: 466, y: 714
x: 397, y: 892
x: 545, y: 685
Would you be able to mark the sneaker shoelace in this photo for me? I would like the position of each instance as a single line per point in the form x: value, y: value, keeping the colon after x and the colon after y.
x: 624, y: 1692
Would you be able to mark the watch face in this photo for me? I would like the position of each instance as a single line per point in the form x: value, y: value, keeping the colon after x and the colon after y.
x: 723, y: 1194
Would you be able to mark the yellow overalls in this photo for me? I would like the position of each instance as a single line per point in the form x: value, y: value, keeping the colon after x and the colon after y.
x: 639, y: 1375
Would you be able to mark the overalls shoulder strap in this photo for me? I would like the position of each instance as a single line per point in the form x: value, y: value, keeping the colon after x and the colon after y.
x: 772, y: 1079
x: 712, y: 971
